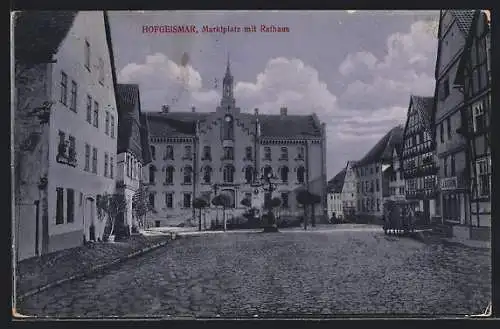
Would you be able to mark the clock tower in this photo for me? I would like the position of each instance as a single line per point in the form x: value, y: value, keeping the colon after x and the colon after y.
x: 227, y: 100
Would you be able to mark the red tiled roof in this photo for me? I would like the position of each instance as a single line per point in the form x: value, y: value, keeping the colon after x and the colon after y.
x: 464, y: 19
x: 424, y: 107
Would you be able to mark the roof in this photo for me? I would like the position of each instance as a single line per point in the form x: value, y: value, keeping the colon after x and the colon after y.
x: 470, y: 37
x: 38, y: 34
x: 424, y: 105
x: 382, y: 151
x: 464, y: 19
x: 129, y: 114
x: 183, y: 124
x: 335, y: 184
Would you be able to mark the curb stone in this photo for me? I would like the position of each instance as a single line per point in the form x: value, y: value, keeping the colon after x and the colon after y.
x: 92, y: 270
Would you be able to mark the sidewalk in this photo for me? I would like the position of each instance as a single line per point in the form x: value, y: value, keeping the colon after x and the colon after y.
x: 468, y: 242
x: 40, y: 273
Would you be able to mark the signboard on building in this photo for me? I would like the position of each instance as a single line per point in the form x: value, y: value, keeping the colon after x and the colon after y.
x: 449, y: 183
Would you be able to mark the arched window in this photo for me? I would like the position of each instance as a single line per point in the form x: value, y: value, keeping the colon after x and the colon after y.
x: 152, y: 171
x: 249, y: 174
x: 228, y: 128
x: 169, y: 152
x: 188, y: 172
x: 153, y: 152
x: 300, y: 174
x: 207, y: 174
x: 267, y: 170
x: 169, y: 175
x: 228, y: 174
x: 284, y: 174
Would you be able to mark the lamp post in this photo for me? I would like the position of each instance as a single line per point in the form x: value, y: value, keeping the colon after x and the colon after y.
x: 269, y: 187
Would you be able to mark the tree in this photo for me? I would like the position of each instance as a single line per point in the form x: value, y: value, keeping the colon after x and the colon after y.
x: 314, y: 200
x: 112, y: 206
x: 303, y: 198
x: 200, y: 203
x: 140, y: 204
x: 222, y: 200
x: 246, y: 203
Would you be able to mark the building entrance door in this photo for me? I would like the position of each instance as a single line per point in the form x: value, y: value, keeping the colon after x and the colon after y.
x: 89, y: 219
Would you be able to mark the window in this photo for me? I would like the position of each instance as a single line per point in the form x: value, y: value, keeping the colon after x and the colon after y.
x: 112, y: 126
x: 372, y: 187
x: 74, y: 95
x: 106, y: 124
x: 267, y: 153
x: 452, y: 165
x: 152, y: 172
x: 64, y: 88
x: 59, y: 205
x: 300, y: 174
x: 152, y: 200
x: 111, y: 167
x: 371, y: 170
x: 228, y: 128
x: 284, y: 153
x: 169, y: 175
x: 284, y: 174
x: 207, y: 153
x: 169, y: 152
x: 401, y: 190
x: 101, y: 71
x: 284, y: 200
x: 300, y: 152
x: 187, y: 200
x: 127, y: 164
x: 478, y: 116
x: 106, y: 160
x: 248, y: 153
x: 441, y: 132
x: 89, y: 109
x: 448, y: 127
x: 87, y: 157
x: 96, y: 114
x: 378, y: 204
x: 248, y: 196
x: 70, y: 205
x: 187, y: 152
x: 153, y: 152
x: 94, y: 160
x: 72, y: 150
x: 87, y: 55
x: 445, y: 89
x: 249, y: 174
x: 483, y: 177
x: 445, y: 166
x: 207, y: 175
x: 377, y: 185
x: 169, y: 200
x: 228, y: 153
x: 228, y: 174
x: 268, y: 171
x: 188, y: 171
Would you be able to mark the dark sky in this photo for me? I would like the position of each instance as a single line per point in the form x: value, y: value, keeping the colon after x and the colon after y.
x: 355, y: 70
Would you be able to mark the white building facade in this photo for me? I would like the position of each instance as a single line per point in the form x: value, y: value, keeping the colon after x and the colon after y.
x: 349, y: 194
x: 77, y: 161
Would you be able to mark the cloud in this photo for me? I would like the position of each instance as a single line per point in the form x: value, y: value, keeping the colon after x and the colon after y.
x: 163, y: 81
x: 388, y: 81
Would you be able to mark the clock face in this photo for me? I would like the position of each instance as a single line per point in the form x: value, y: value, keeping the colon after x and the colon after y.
x: 228, y: 118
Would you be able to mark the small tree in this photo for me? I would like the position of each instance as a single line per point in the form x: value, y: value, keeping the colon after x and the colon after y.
x: 200, y: 203
x: 246, y: 203
x: 111, y: 206
x: 303, y: 198
x: 222, y: 200
x: 314, y: 200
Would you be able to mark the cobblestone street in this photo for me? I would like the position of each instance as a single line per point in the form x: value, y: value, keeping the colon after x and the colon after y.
x: 288, y: 273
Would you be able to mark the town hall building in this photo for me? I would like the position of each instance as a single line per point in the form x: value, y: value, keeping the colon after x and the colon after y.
x: 202, y: 154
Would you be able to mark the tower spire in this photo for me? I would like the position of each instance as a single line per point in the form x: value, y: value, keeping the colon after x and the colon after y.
x: 228, y: 65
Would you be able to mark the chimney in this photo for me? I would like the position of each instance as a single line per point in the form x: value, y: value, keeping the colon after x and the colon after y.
x: 256, y: 111
x: 193, y: 109
x: 165, y: 108
x: 283, y: 111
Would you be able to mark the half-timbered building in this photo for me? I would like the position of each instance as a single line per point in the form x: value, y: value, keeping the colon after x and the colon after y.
x: 418, y: 156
